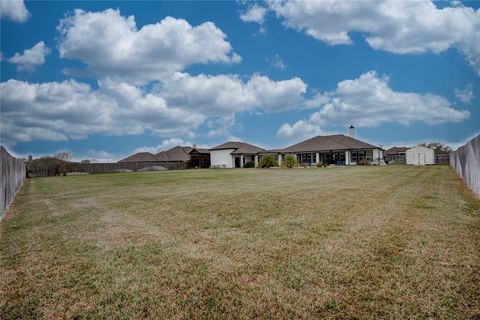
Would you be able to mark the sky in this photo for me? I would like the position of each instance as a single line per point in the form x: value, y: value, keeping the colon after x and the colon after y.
x: 104, y: 80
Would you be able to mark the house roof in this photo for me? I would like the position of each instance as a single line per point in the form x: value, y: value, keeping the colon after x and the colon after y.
x: 200, y: 150
x: 178, y: 153
x: 162, y: 156
x: 395, y: 150
x: 240, y: 147
x: 327, y: 143
x: 140, y: 157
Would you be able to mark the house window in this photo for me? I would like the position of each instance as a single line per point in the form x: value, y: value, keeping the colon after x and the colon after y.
x: 361, y: 155
x: 314, y: 157
x: 354, y: 156
x: 308, y: 157
x: 369, y: 155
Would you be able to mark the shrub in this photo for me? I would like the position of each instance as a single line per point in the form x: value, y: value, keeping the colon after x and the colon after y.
x: 364, y: 162
x: 290, y: 161
x: 319, y: 164
x: 267, y: 161
x: 249, y: 164
x: 46, y: 166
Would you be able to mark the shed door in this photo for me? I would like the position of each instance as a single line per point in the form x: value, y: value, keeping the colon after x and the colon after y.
x: 420, y: 158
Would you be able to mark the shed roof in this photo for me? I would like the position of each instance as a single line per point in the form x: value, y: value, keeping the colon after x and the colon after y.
x: 240, y: 147
x: 327, y: 143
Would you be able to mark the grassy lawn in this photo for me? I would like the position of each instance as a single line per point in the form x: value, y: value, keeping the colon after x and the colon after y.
x: 352, y: 242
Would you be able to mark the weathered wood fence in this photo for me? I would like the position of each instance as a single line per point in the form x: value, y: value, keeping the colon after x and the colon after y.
x: 466, y: 162
x: 50, y: 167
x: 401, y: 159
x: 13, y: 175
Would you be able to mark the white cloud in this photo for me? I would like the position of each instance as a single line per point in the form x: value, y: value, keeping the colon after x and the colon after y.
x: 402, y: 27
x: 165, y: 145
x: 111, y: 45
x: 466, y: 95
x: 223, y: 126
x: 368, y: 101
x: 277, y: 62
x: 97, y: 156
x: 298, y: 131
x: 254, y: 14
x: 226, y: 94
x: 14, y: 10
x: 72, y: 110
x: 31, y: 58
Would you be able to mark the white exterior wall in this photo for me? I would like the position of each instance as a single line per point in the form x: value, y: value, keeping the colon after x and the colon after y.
x: 420, y: 156
x: 221, y: 158
x: 377, y: 154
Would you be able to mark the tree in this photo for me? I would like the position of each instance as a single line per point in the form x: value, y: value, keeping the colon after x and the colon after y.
x: 267, y: 161
x: 290, y: 161
x: 64, y: 156
x: 438, y: 147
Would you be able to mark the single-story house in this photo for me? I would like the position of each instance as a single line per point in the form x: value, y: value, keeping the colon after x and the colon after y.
x: 333, y: 149
x: 199, y: 158
x: 395, y: 155
x: 234, y: 154
x: 191, y: 156
x: 420, y: 156
x: 176, y: 154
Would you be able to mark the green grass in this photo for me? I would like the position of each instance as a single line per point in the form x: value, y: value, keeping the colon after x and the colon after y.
x: 352, y: 242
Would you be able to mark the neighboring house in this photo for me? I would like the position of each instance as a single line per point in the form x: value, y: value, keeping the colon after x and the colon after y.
x: 395, y: 155
x: 234, y: 154
x: 420, y: 156
x: 177, y: 154
x: 191, y: 156
x: 199, y: 158
x: 334, y: 149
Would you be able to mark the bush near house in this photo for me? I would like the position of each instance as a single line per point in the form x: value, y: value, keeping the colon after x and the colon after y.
x: 320, y: 164
x: 249, y: 164
x: 290, y: 161
x: 363, y: 162
x: 267, y: 161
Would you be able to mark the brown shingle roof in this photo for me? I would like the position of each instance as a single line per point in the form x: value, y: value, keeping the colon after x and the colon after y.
x: 240, y: 147
x: 327, y: 143
x: 200, y: 150
x: 140, y: 157
x: 162, y: 156
x: 395, y: 150
x: 178, y: 153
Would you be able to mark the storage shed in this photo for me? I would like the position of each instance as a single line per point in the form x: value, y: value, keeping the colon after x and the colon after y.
x: 420, y: 156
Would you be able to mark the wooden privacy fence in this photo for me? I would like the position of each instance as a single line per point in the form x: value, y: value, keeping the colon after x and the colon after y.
x: 50, y: 167
x: 442, y: 158
x: 13, y: 175
x: 466, y: 162
x: 401, y: 159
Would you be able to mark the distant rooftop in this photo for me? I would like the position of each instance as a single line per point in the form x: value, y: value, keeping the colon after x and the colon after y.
x: 329, y: 143
x: 240, y: 147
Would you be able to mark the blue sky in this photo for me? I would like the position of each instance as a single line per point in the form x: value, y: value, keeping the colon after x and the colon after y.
x: 114, y: 78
